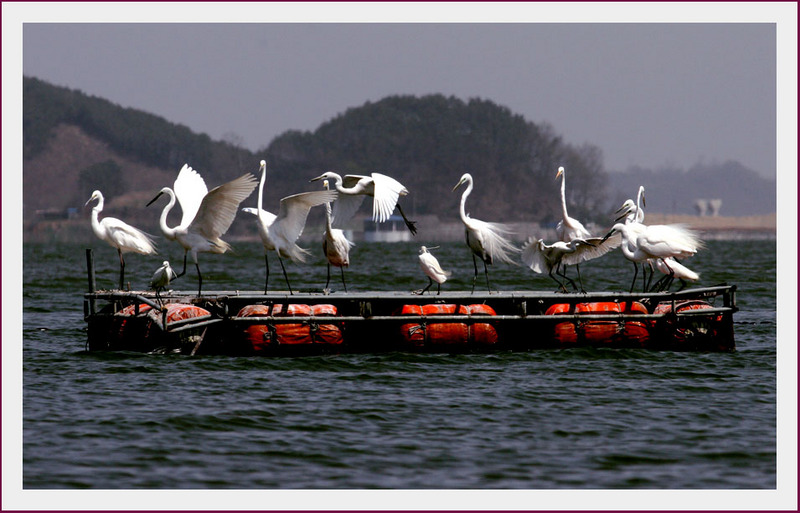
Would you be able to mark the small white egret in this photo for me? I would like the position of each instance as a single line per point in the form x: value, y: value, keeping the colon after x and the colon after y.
x: 385, y: 191
x: 654, y: 242
x: 541, y: 257
x: 569, y: 228
x: 672, y: 269
x: 280, y: 233
x: 486, y: 240
x: 430, y: 266
x: 335, y: 245
x: 162, y: 277
x: 120, y: 235
x: 206, y: 215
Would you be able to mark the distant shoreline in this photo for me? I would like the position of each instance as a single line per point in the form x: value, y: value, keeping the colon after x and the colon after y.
x: 433, y: 229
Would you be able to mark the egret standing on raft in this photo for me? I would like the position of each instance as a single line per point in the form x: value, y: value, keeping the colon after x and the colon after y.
x: 280, y: 233
x: 542, y: 257
x: 335, y: 245
x: 430, y: 266
x: 656, y: 241
x: 485, y: 240
x: 385, y: 191
x: 162, y: 277
x: 206, y: 215
x: 569, y: 228
x: 120, y: 235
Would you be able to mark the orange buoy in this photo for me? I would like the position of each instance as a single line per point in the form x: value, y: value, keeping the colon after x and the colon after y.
x: 132, y: 327
x: 595, y: 331
x: 482, y: 333
x: 260, y: 336
x: 692, y: 328
x: 447, y: 333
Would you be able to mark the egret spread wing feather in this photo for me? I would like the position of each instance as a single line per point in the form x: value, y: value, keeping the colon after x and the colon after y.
x: 294, y: 211
x: 344, y: 208
x: 591, y: 248
x: 533, y: 255
x: 218, y: 209
x: 190, y: 189
x: 387, y: 192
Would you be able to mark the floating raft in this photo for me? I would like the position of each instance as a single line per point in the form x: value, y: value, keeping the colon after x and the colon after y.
x: 251, y: 323
x: 279, y: 323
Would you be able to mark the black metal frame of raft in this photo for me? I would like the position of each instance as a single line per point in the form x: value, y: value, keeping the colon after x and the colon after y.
x: 370, y: 323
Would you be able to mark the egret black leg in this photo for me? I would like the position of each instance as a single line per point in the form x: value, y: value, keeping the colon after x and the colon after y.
x: 266, y: 273
x: 486, y: 272
x: 199, y: 279
x: 580, y: 281
x: 121, y: 270
x: 561, y: 286
x: 563, y: 274
x: 438, y: 288
x: 284, y: 275
x: 430, y: 282
x: 635, y: 274
x: 343, y: 283
x: 475, y: 276
x: 328, y: 280
x: 410, y: 224
x: 185, y: 253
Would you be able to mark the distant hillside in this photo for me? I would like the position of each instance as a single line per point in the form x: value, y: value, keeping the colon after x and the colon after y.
x: 673, y: 191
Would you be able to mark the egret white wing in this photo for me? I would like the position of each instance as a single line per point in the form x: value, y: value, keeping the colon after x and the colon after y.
x: 190, y: 189
x: 344, y: 207
x: 294, y: 211
x: 493, y: 238
x: 387, y: 192
x: 218, y: 209
x: 532, y: 255
x: 128, y: 238
x: 591, y: 248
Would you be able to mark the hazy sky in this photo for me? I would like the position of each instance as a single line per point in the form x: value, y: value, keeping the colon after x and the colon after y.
x: 648, y: 94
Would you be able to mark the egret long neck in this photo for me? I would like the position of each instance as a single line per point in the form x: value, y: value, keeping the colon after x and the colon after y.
x: 168, y: 232
x: 339, y: 184
x: 96, y: 219
x: 461, y: 210
x: 564, y: 195
x: 261, y: 192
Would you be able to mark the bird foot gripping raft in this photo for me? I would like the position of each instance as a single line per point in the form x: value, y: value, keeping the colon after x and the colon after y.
x: 250, y: 323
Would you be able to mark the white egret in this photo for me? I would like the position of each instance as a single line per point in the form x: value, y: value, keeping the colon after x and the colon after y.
x: 486, y: 240
x: 120, y: 235
x: 654, y: 242
x: 206, y: 215
x: 569, y: 228
x: 280, y: 233
x: 541, y: 257
x: 633, y: 216
x: 162, y: 277
x: 385, y: 191
x: 335, y: 245
x: 430, y: 266
x: 672, y: 269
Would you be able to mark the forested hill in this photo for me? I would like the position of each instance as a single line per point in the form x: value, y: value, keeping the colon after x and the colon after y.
x: 74, y: 143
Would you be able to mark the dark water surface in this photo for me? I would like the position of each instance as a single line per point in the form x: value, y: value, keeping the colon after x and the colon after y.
x: 565, y: 419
